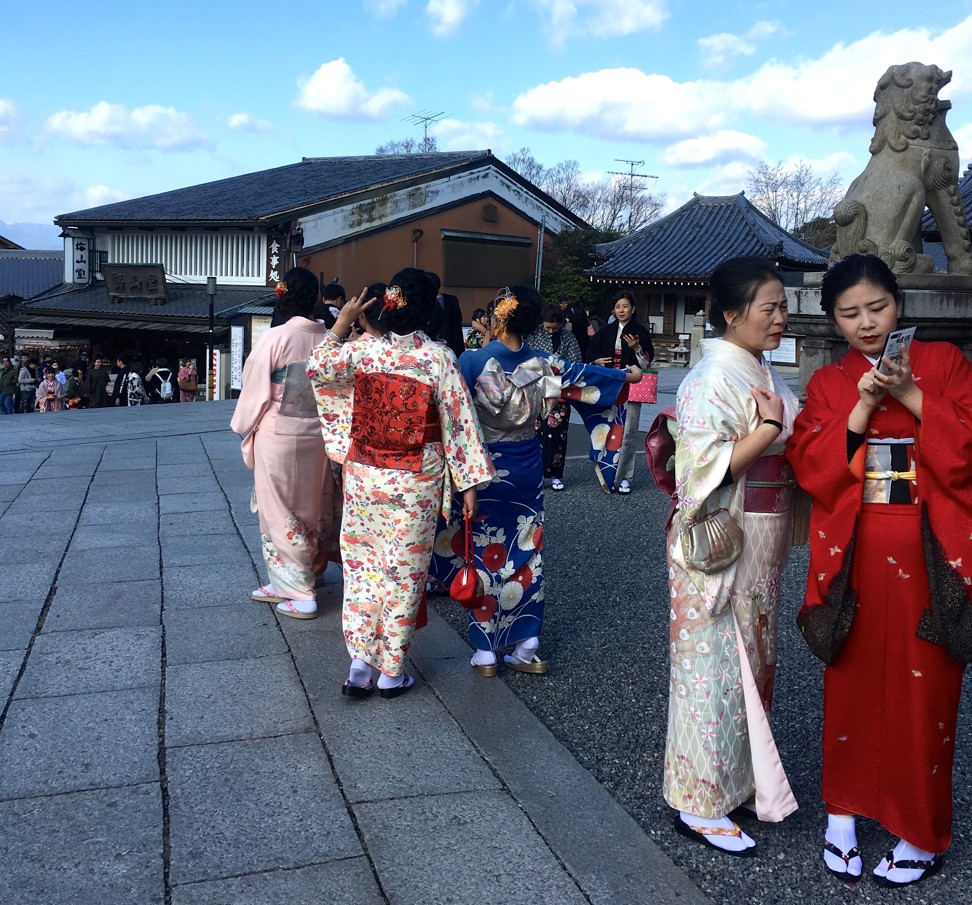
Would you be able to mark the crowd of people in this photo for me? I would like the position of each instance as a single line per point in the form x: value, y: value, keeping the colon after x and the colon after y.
x: 29, y: 384
x: 373, y: 445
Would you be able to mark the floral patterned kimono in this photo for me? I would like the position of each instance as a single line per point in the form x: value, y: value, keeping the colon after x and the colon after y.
x: 294, y: 485
x: 511, y: 390
x: 395, y: 411
x: 720, y: 749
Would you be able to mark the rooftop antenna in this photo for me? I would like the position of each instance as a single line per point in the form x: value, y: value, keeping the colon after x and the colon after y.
x: 424, y: 119
x: 632, y: 175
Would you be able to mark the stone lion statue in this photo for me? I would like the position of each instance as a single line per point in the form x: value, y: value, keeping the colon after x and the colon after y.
x: 914, y: 162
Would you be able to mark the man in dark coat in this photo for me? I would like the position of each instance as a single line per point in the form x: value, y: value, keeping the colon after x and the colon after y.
x: 451, y: 330
x: 95, y: 385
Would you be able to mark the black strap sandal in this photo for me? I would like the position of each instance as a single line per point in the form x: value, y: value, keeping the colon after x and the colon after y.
x: 846, y: 857
x: 929, y: 869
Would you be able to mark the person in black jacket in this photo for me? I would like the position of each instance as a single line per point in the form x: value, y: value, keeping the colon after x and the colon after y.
x: 617, y: 345
x: 451, y: 328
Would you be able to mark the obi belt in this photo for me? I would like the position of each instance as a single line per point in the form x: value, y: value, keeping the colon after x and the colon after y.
x: 769, y: 485
x: 889, y: 471
x: 392, y: 420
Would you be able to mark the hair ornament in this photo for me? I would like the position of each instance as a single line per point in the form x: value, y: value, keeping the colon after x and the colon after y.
x: 281, y: 289
x: 394, y: 298
x: 504, y: 305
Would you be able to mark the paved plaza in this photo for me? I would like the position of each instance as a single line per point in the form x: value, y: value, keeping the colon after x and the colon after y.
x: 165, y: 740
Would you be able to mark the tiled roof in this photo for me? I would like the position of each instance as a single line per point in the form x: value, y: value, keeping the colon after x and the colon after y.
x: 27, y: 273
x: 690, y: 242
x: 183, y: 301
x: 274, y: 194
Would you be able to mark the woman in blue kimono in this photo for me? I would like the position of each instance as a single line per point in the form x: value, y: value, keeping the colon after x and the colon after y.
x: 512, y: 387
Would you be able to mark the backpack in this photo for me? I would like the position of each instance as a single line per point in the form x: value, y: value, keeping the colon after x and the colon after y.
x: 165, y: 389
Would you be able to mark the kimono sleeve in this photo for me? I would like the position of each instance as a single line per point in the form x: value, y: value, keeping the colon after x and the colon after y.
x: 468, y: 461
x: 257, y: 388
x: 588, y: 385
x: 331, y: 368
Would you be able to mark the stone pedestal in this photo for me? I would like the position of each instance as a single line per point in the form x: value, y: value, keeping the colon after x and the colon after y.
x: 940, y: 305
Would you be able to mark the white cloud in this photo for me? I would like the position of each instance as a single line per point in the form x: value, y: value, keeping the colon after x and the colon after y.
x: 448, y: 15
x: 963, y: 135
x: 8, y: 116
x: 720, y: 147
x: 151, y: 126
x: 96, y: 195
x: 246, y: 122
x: 719, y: 50
x: 455, y: 135
x: 623, y: 104
x: 604, y: 18
x: 335, y: 91
x: 384, y: 9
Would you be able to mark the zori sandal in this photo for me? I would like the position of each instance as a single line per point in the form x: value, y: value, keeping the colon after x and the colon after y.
x: 266, y: 594
x: 703, y: 836
x: 927, y: 868
x: 847, y: 875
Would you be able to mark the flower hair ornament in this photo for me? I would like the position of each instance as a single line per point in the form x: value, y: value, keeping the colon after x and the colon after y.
x: 281, y: 289
x: 504, y: 304
x: 394, y: 298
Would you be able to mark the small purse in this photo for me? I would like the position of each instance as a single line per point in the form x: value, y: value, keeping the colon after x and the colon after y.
x: 712, y: 541
x: 645, y: 390
x: 467, y: 587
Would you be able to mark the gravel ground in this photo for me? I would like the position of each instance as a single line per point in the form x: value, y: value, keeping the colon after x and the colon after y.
x: 605, y: 698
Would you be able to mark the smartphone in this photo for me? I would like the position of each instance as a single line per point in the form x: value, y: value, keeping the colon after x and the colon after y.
x: 898, y: 341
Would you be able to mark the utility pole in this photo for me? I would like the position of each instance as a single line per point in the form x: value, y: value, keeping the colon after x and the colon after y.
x: 632, y: 175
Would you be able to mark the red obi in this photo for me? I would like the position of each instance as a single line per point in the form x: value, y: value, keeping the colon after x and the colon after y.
x: 769, y: 485
x: 392, y: 421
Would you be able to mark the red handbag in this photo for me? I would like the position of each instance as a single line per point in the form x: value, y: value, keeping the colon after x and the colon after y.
x: 645, y: 390
x: 467, y: 587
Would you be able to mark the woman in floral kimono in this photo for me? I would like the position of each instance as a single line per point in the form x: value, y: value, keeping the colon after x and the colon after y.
x: 50, y: 393
x: 734, y: 415
x: 514, y: 385
x: 395, y: 411
x: 886, y: 454
x: 293, y: 483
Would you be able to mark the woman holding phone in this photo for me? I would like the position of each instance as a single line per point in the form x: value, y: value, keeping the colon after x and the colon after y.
x: 885, y: 450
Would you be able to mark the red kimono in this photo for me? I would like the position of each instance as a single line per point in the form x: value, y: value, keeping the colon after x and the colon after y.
x: 887, y: 604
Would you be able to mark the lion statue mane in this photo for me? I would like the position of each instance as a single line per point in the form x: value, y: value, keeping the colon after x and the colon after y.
x: 914, y: 163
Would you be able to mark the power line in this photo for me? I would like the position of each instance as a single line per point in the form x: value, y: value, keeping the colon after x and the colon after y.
x: 632, y: 175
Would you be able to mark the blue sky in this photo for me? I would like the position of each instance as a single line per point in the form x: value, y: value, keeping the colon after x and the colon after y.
x: 116, y: 100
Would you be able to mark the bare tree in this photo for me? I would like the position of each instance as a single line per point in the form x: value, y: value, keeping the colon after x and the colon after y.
x: 795, y: 198
x: 425, y: 145
x: 526, y: 165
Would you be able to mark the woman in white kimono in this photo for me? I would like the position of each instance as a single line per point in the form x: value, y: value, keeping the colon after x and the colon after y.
x: 294, y: 485
x: 397, y: 413
x: 734, y: 416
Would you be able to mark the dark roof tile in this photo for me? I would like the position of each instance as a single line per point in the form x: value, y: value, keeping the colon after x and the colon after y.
x: 27, y: 273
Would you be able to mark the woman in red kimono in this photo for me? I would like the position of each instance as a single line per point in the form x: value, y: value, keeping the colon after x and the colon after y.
x: 887, y: 458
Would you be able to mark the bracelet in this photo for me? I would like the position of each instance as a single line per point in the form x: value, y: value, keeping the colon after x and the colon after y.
x: 775, y: 423
x: 332, y: 335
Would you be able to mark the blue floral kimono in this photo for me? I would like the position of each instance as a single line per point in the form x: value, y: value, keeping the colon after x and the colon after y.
x: 511, y: 390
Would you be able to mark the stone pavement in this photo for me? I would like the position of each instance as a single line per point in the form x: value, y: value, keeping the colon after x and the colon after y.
x: 165, y: 740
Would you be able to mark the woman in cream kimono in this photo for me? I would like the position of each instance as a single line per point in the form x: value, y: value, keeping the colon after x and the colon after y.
x: 294, y: 487
x: 734, y: 415
x: 395, y: 411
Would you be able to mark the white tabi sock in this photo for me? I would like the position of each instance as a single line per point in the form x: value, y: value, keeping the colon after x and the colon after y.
x: 727, y: 843
x: 842, y: 834
x: 903, y: 851
x: 360, y: 673
x: 484, y: 658
x: 526, y: 648
x: 390, y: 681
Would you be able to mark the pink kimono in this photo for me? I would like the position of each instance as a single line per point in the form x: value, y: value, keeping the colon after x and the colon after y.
x: 298, y: 507
x: 50, y: 395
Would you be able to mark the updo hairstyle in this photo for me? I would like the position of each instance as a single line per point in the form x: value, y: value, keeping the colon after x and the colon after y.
x: 734, y: 284
x: 420, y: 303
x: 300, y: 296
x: 525, y: 318
x: 850, y: 271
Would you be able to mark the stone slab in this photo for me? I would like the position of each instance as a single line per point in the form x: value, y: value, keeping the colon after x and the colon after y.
x: 204, y: 522
x: 108, y: 537
x: 193, y: 465
x: 110, y: 564
x: 10, y: 492
x: 234, y: 699
x: 63, y: 663
x: 199, y: 549
x: 137, y: 491
x: 193, y: 502
x: 186, y: 484
x: 87, y: 848
x: 201, y: 586
x: 30, y: 580
x: 18, y: 620
x: 118, y: 513
x: 80, y: 741
x: 10, y: 663
x: 236, y: 632
x: 346, y: 882
x: 481, y: 840
x: 244, y: 807
x: 115, y: 604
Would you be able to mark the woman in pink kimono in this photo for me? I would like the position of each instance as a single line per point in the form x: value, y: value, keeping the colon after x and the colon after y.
x: 50, y: 393
x: 396, y: 412
x: 294, y: 486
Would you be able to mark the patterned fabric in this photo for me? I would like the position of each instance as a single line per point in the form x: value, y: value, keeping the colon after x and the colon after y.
x: 389, y: 422
x: 718, y: 697
x: 389, y: 520
x: 508, y: 535
x: 553, y: 428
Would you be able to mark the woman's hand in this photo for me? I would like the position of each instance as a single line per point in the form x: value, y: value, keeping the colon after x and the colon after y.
x: 768, y: 404
x: 482, y: 328
x: 900, y: 383
x: 870, y: 389
x: 632, y: 340
x: 634, y: 374
x: 351, y: 311
x: 470, y: 502
x: 605, y: 361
